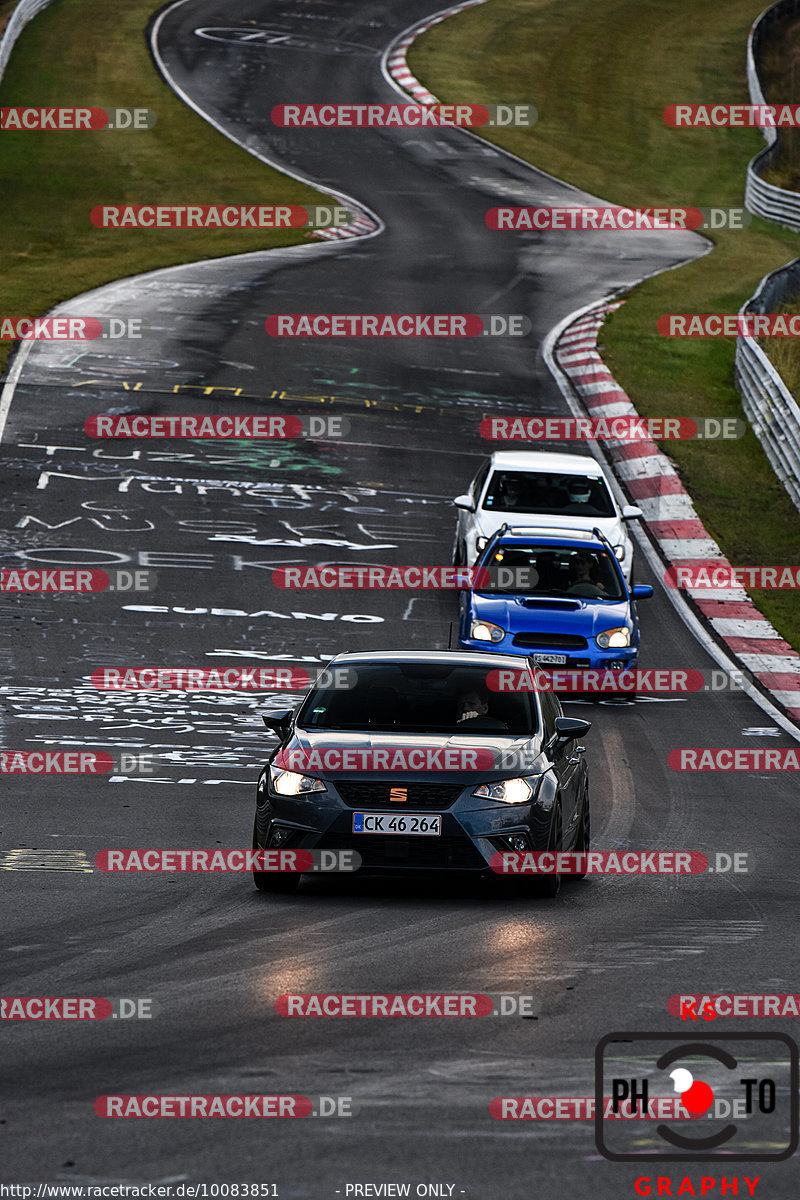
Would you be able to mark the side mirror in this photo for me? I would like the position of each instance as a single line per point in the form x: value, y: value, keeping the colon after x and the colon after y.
x: 570, y: 728
x: 464, y: 502
x: 641, y: 591
x: 280, y: 721
x: 631, y: 511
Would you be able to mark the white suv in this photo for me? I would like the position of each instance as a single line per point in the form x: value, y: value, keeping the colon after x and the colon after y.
x: 537, y: 488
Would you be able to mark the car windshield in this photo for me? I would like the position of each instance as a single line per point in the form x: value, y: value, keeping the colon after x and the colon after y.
x: 547, y: 570
x: 404, y: 697
x: 544, y: 492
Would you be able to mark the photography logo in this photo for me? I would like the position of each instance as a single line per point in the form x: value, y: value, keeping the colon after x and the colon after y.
x: 740, y: 1092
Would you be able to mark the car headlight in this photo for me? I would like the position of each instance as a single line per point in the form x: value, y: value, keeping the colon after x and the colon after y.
x: 510, y: 791
x: 289, y: 783
x: 612, y: 639
x: 484, y: 631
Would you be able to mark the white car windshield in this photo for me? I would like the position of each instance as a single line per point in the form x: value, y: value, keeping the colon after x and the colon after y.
x: 545, y: 492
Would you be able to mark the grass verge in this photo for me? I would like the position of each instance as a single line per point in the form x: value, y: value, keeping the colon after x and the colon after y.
x: 74, y: 55
x: 600, y: 76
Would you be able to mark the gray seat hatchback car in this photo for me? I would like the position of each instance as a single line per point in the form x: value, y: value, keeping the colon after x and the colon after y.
x: 424, y: 761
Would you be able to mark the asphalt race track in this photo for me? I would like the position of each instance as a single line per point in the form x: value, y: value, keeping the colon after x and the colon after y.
x: 211, y: 519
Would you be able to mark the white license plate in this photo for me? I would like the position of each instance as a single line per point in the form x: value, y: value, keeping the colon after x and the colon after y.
x: 551, y: 660
x: 415, y: 824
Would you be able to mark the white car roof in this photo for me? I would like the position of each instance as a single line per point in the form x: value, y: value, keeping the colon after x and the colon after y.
x: 546, y: 460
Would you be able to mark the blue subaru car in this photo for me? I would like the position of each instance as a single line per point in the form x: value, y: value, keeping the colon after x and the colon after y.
x: 557, y: 597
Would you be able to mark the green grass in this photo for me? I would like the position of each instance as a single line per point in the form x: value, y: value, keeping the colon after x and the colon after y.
x: 600, y: 76
x: 76, y: 53
x: 783, y: 353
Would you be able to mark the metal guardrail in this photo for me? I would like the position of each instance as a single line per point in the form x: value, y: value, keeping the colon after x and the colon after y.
x: 762, y: 198
x: 25, y: 11
x: 768, y: 404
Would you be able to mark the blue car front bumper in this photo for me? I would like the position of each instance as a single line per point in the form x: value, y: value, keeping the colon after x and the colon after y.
x: 582, y: 659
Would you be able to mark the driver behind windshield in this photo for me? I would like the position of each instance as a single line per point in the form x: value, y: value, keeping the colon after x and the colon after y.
x: 511, y: 493
x: 473, y: 709
x: 584, y: 577
x: 580, y: 498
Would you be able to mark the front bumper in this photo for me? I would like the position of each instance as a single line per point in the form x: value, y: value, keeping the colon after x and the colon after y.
x: 471, y: 833
x: 590, y: 658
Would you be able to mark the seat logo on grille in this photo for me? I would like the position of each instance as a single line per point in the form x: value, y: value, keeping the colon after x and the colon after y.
x: 398, y: 795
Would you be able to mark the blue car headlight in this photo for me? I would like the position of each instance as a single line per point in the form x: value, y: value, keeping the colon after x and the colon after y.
x: 510, y: 791
x: 614, y: 639
x: 484, y: 631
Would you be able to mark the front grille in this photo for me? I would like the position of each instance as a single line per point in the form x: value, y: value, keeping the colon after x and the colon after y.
x: 421, y: 853
x: 551, y: 641
x: 373, y: 794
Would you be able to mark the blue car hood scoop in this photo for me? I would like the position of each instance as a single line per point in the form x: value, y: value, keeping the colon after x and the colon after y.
x: 552, y: 605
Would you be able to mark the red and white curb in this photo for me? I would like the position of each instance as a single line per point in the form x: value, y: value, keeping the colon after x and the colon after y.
x: 360, y: 224
x: 394, y: 60
x: 652, y: 482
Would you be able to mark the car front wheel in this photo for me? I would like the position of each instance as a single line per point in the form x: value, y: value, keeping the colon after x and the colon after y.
x: 547, y: 887
x: 585, y: 831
